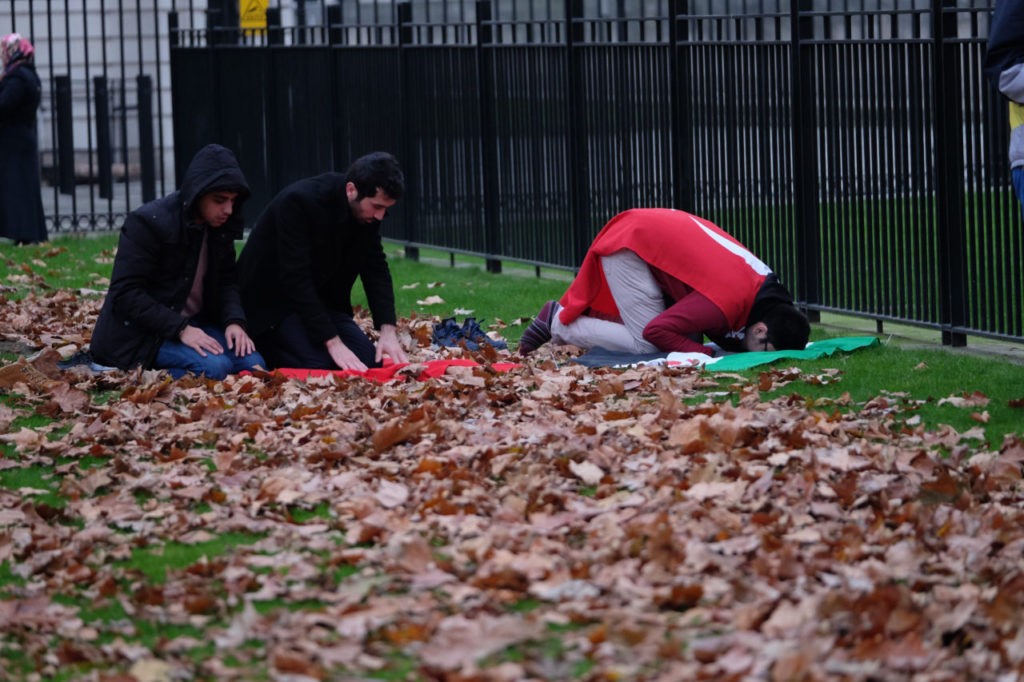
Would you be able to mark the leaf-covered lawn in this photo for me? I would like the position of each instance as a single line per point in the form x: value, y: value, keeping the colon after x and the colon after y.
x: 551, y: 522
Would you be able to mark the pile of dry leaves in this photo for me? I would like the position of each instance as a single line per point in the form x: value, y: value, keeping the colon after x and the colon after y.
x: 551, y: 522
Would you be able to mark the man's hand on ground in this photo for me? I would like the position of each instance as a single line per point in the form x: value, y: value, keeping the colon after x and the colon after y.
x: 342, y: 356
x: 389, y: 345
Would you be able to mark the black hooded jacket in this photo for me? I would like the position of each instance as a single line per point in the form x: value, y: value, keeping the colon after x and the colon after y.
x: 156, y: 262
x: 1005, y: 39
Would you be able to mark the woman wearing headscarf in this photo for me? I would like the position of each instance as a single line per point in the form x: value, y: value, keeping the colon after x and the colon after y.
x: 21, y: 202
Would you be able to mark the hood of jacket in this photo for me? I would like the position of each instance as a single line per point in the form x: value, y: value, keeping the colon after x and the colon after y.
x: 1005, y: 39
x: 215, y: 167
x: 771, y: 294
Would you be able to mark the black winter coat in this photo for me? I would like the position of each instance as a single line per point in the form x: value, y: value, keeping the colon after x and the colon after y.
x: 21, y: 200
x: 1005, y: 39
x: 156, y: 262
x: 303, y: 256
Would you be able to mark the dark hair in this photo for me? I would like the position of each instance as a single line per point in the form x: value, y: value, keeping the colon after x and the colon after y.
x: 788, y: 328
x: 377, y: 170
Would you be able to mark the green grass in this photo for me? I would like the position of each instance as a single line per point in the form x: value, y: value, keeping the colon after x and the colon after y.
x: 154, y: 562
x: 917, y: 380
x: 38, y: 478
x: 67, y: 262
x: 515, y: 294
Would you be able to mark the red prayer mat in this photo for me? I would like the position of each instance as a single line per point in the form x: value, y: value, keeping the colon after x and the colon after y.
x: 431, y: 369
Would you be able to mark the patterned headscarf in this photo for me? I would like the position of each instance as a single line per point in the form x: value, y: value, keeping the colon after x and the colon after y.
x: 14, y: 50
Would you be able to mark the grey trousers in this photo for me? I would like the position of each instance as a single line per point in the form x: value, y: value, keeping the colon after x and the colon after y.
x: 638, y: 298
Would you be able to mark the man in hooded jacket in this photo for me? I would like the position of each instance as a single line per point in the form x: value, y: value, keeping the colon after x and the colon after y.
x: 1004, y: 66
x: 657, y: 279
x: 173, y: 301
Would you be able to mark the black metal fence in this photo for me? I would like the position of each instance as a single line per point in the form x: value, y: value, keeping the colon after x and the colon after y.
x: 104, y: 120
x: 853, y: 144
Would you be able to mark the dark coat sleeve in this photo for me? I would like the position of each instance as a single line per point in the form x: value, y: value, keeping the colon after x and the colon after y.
x: 13, y: 91
x: 682, y: 326
x: 377, y: 283
x: 19, y: 97
x: 135, y: 295
x: 223, y: 273
x: 1005, y: 46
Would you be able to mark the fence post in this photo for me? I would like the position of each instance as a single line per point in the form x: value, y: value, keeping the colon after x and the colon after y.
x: 403, y: 29
x: 104, y: 156
x: 174, y: 40
x: 684, y: 192
x: 579, y: 192
x: 146, y: 147
x: 805, y: 160
x: 949, y: 182
x: 223, y: 22
x: 65, y: 136
x: 301, y: 22
x: 335, y: 38
x: 488, y: 154
x: 334, y: 25
x: 214, y: 32
x: 275, y: 33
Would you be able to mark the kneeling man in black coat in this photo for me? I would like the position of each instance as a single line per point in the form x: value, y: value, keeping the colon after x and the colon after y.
x: 174, y: 301
x: 302, y: 258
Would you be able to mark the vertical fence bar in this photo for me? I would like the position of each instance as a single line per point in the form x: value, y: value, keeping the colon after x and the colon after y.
x: 147, y: 159
x: 214, y: 32
x: 223, y: 21
x: 805, y: 153
x: 683, y: 191
x: 301, y: 22
x: 334, y: 25
x: 949, y: 164
x: 122, y: 126
x: 403, y: 31
x: 579, y: 191
x: 275, y: 33
x: 65, y: 136
x: 104, y: 155
x: 488, y: 134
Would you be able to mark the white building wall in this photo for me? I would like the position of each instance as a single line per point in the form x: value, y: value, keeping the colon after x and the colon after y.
x: 120, y: 40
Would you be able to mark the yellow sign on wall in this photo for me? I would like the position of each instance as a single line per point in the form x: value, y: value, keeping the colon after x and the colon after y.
x: 252, y: 13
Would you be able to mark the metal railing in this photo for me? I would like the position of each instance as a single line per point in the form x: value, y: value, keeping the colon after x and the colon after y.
x: 105, y: 117
x: 853, y: 145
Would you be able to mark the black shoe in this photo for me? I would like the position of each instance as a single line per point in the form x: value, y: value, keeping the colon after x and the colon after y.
x: 539, y: 331
x: 447, y: 333
x: 476, y: 337
x: 82, y: 357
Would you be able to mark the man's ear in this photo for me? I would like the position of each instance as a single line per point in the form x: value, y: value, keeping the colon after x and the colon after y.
x: 759, y: 329
x: 350, y: 191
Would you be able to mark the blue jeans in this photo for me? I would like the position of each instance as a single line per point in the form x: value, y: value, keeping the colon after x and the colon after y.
x: 178, y: 359
x: 1018, y: 184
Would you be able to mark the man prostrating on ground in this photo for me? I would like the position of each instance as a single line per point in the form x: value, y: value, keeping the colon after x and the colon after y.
x: 658, y: 279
